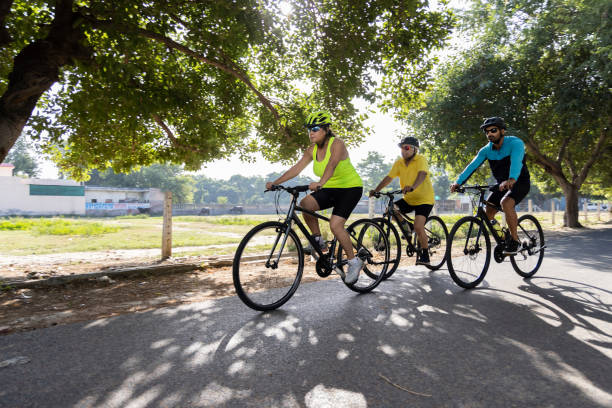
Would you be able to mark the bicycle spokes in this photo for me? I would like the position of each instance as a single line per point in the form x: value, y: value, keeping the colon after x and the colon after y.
x: 267, y: 266
x: 469, y: 252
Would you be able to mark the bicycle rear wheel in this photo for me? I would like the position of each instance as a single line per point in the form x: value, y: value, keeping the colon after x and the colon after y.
x: 372, y: 246
x: 395, y: 244
x: 437, y: 235
x: 266, y: 270
x: 468, y: 252
x: 531, y: 252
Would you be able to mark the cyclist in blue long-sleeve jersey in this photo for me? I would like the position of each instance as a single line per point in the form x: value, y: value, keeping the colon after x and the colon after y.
x: 506, y: 156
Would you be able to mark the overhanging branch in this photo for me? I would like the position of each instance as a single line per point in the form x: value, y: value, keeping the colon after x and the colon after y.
x: 230, y: 68
x: 173, y: 139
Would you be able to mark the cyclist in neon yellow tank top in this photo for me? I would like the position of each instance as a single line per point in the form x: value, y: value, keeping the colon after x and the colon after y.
x: 339, y: 186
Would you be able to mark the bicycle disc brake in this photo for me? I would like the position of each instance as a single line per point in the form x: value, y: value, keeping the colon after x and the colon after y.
x: 498, y: 253
x: 323, y: 267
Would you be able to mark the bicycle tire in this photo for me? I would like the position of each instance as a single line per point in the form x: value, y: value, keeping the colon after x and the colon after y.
x: 528, y: 241
x: 365, y: 234
x: 461, y: 251
x: 263, y: 287
x: 436, y: 243
x: 394, y: 241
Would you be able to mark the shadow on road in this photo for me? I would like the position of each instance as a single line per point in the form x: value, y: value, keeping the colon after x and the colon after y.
x: 542, y: 342
x: 479, y: 348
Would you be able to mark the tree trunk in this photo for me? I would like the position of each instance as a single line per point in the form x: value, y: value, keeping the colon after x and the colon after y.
x: 35, y: 69
x: 570, y: 218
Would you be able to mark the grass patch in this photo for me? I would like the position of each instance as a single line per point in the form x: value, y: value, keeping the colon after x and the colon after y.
x: 225, y: 220
x: 16, y: 224
x: 132, y: 217
x: 57, y: 226
x: 65, y: 227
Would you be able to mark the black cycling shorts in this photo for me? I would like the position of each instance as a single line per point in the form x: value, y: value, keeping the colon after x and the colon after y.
x: 421, y: 209
x: 517, y: 192
x: 344, y: 200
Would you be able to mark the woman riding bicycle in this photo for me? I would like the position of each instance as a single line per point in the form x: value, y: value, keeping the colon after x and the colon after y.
x: 339, y: 186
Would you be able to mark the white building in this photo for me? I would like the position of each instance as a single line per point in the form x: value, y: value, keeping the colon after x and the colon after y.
x: 122, y: 200
x: 26, y: 196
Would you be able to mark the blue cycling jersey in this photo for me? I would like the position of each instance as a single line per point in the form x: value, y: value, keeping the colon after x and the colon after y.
x: 507, y: 162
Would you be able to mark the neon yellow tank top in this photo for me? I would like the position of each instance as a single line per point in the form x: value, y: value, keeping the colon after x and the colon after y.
x: 345, y: 175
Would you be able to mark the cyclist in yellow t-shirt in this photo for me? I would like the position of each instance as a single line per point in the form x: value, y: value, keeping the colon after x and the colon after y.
x: 340, y: 186
x: 413, y: 171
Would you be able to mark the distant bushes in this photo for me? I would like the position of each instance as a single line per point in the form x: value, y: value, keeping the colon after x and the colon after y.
x: 56, y: 226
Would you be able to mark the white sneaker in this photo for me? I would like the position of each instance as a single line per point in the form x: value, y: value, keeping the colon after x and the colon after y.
x: 354, y: 266
x: 340, y: 272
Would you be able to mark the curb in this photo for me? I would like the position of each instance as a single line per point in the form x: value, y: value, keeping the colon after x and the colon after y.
x: 125, y: 272
x: 121, y: 272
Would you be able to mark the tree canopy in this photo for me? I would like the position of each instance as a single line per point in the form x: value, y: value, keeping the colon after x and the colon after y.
x: 187, y: 82
x: 543, y: 66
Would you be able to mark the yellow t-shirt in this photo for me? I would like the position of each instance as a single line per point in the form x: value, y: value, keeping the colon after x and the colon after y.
x: 424, y: 193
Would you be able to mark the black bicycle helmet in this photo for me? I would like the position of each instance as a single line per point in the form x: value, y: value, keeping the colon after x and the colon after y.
x: 494, y: 121
x: 410, y: 141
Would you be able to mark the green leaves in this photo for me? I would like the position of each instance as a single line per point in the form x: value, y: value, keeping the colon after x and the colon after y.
x: 538, y: 65
x: 189, y: 82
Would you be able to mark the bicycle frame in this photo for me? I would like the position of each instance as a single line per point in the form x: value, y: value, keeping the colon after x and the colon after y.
x: 291, y: 219
x: 480, y: 213
x: 390, y: 213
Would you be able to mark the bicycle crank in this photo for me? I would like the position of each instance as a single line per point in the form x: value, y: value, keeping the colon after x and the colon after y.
x: 498, y: 253
x: 323, y: 267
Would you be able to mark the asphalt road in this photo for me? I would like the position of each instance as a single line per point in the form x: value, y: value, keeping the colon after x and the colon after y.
x: 544, y: 342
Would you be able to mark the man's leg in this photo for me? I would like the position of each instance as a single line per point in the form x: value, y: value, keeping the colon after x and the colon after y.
x: 490, y: 211
x: 419, y: 227
x: 336, y: 224
x: 311, y: 204
x: 508, y: 205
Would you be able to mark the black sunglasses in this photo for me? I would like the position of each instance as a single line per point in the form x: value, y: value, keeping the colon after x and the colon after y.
x: 492, y: 130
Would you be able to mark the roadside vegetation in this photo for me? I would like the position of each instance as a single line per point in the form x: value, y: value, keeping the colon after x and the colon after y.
x: 218, y: 234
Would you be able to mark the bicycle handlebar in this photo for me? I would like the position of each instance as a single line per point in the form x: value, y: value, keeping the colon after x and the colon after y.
x: 389, y: 194
x: 461, y: 189
x: 291, y: 190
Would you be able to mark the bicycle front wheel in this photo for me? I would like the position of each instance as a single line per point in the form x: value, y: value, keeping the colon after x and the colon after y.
x: 268, y: 266
x: 437, y: 235
x: 531, y: 252
x: 468, y: 252
x: 372, y: 246
x: 395, y: 244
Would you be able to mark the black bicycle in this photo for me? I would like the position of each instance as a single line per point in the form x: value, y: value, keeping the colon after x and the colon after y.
x: 469, y: 245
x: 269, y: 261
x: 435, y: 228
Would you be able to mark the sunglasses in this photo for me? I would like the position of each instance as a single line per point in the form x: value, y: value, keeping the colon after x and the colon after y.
x: 492, y: 130
x: 407, y: 147
x: 314, y: 129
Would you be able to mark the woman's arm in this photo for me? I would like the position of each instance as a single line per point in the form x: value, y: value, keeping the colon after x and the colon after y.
x: 296, y: 168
